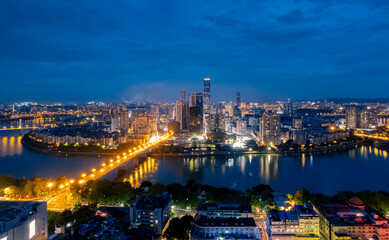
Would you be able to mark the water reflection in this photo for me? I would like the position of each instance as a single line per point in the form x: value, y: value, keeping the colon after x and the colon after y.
x: 11, y: 145
x: 142, y: 172
x: 269, y: 167
x: 36, y: 122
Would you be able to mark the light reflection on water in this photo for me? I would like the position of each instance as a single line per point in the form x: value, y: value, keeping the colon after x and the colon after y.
x: 355, y: 170
x: 11, y: 146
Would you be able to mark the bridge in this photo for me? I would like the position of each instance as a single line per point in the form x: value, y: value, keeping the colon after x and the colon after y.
x: 372, y: 136
x: 62, y: 198
x: 18, y: 128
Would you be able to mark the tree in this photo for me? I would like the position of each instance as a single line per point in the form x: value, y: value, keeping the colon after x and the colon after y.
x: 179, y: 228
x: 145, y: 184
x: 158, y: 189
x: 301, y: 196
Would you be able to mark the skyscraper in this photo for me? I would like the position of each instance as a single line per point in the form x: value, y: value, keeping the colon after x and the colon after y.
x: 207, y: 104
x: 270, y: 127
x: 182, y: 114
x: 238, y: 99
x: 195, y: 112
x: 196, y: 99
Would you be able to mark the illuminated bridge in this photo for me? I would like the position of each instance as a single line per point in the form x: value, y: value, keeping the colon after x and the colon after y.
x: 372, y: 136
x: 62, y: 199
x: 18, y: 128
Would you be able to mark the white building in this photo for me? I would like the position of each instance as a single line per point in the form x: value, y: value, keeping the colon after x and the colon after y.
x: 23, y: 220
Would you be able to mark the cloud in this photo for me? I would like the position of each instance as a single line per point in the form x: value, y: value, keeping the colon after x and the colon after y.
x: 295, y: 16
x: 96, y: 49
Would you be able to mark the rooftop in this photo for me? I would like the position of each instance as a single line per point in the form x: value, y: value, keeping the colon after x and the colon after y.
x: 13, y: 213
x: 284, y: 216
x: 305, y: 210
x: 151, y: 202
x: 220, y: 222
x: 243, y: 208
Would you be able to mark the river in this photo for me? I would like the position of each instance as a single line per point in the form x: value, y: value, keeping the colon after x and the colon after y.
x: 358, y: 169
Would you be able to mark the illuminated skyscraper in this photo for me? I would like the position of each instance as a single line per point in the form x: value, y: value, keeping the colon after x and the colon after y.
x: 207, y: 104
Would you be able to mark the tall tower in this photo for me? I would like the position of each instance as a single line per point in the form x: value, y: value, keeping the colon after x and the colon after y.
x: 182, y: 95
x: 238, y: 99
x: 207, y: 104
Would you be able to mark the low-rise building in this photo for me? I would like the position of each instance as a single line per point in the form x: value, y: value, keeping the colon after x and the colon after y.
x: 151, y: 212
x: 224, y: 221
x: 225, y: 210
x: 351, y: 221
x: 301, y: 222
x: 224, y: 228
x: 23, y: 220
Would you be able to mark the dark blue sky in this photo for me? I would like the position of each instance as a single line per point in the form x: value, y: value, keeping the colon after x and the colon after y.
x: 76, y: 51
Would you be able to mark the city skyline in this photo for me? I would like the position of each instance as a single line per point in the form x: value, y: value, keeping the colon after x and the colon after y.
x: 62, y: 52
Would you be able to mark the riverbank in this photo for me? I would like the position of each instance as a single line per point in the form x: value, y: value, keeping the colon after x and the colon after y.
x: 65, y: 153
x: 324, y: 150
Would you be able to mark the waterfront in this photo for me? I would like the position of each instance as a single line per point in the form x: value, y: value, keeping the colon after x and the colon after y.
x: 354, y: 170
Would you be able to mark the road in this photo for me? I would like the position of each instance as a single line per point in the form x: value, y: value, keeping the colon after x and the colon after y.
x: 62, y: 199
x: 372, y: 136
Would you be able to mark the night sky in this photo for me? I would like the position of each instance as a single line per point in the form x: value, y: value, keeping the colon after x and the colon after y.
x: 78, y: 51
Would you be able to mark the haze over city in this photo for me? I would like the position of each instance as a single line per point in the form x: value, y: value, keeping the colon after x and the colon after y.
x: 137, y: 51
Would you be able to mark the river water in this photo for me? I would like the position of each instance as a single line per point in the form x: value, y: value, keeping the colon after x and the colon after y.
x: 358, y: 169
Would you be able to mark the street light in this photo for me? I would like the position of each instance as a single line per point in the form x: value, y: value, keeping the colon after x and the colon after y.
x: 50, y: 185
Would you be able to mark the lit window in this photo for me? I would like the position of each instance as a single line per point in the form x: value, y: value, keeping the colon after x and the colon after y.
x: 32, y: 229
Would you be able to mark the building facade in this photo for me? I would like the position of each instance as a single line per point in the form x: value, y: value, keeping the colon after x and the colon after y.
x: 23, y: 220
x: 207, y: 104
x: 151, y: 212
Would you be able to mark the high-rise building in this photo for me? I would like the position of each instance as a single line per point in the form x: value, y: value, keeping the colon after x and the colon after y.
x: 352, y: 117
x: 141, y: 125
x: 182, y: 114
x: 195, y: 119
x: 124, y: 121
x: 207, y: 104
x: 298, y: 123
x: 360, y: 117
x: 270, y: 127
x: 196, y: 99
x: 216, y: 122
x: 289, y: 108
x: 120, y: 120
